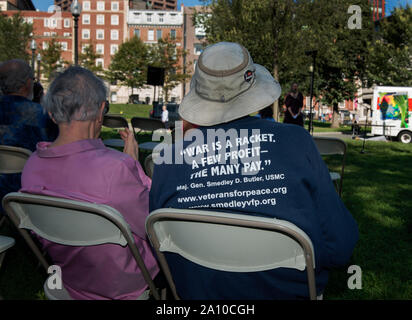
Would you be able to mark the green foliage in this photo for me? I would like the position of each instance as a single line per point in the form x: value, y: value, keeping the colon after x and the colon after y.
x: 51, y: 59
x: 166, y: 54
x: 389, y: 61
x: 15, y: 36
x: 129, y: 64
x: 278, y: 33
x: 87, y: 59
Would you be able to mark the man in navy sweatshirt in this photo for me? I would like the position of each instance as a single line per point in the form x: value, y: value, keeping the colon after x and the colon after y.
x: 236, y: 163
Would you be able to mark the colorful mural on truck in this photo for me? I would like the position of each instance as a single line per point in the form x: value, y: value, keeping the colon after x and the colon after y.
x: 395, y: 106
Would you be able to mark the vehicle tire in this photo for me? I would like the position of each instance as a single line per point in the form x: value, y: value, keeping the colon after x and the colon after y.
x: 405, y: 137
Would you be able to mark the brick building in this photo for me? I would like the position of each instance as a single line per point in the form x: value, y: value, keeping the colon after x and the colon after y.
x: 103, y: 24
x: 49, y: 25
x: 164, y: 4
x: 16, y: 5
x: 63, y: 4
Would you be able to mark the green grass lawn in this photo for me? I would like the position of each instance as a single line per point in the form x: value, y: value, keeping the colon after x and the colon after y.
x: 377, y: 190
x: 131, y: 110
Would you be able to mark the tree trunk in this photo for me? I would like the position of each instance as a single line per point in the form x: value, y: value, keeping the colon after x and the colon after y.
x: 335, y: 116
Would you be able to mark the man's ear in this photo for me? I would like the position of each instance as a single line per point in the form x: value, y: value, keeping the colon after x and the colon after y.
x: 51, y: 117
x: 101, y: 115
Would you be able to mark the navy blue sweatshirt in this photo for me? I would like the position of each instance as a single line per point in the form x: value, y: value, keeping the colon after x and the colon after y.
x: 279, y: 173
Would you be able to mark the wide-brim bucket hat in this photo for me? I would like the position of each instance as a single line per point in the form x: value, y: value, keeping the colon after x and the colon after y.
x: 227, y: 85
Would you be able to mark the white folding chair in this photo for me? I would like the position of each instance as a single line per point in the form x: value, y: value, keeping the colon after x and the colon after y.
x: 333, y: 146
x: 71, y: 223
x: 12, y: 160
x: 5, y: 243
x: 230, y: 242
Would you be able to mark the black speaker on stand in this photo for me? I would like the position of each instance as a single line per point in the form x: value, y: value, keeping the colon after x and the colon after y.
x: 155, y: 77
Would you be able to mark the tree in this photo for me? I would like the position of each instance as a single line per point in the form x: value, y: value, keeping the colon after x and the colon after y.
x: 51, y: 59
x: 88, y: 57
x: 165, y: 54
x: 342, y: 50
x: 266, y: 28
x: 15, y: 36
x: 279, y: 32
x: 129, y: 64
x: 390, y: 53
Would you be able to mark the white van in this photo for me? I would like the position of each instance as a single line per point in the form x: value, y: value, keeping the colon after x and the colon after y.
x: 392, y: 112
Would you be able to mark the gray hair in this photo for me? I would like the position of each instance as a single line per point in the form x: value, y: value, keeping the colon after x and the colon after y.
x: 76, y: 94
x: 14, y: 75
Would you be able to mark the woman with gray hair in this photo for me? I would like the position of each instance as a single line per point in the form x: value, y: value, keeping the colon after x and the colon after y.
x: 78, y: 166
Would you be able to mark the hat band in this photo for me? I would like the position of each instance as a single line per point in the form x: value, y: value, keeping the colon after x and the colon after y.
x: 225, y: 73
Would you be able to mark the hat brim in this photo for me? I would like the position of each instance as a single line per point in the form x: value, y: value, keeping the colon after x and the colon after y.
x: 199, y: 111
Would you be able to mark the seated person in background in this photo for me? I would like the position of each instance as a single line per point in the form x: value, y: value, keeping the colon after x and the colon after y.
x: 23, y: 123
x: 78, y: 166
x: 266, y: 114
x: 227, y: 87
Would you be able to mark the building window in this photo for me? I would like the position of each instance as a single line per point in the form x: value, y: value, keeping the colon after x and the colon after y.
x: 100, y: 19
x: 53, y: 34
x: 45, y: 45
x: 85, y: 34
x: 28, y: 20
x: 150, y: 35
x: 100, y: 5
x: 113, y: 49
x: 115, y: 6
x: 148, y: 17
x: 100, y: 62
x: 115, y: 20
x: 100, y: 34
x: 159, y: 34
x: 46, y: 34
x: 86, y: 18
x: 46, y: 23
x: 63, y: 45
x: 100, y: 48
x: 66, y: 34
x: 114, y: 35
x: 137, y: 33
x: 86, y: 5
x: 67, y: 23
x: 173, y: 34
x: 161, y: 19
x: 53, y: 23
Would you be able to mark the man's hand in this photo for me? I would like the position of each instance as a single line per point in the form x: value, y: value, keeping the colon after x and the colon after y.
x: 130, y: 144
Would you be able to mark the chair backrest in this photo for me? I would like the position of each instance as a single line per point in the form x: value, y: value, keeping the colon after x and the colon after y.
x: 330, y: 146
x: 115, y: 122
x: 147, y: 124
x: 13, y: 159
x: 230, y: 242
x: 333, y: 146
x: 72, y: 223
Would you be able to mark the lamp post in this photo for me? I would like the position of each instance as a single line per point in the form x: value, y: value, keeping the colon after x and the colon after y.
x: 313, y: 53
x: 33, y: 47
x: 76, y: 10
x: 38, y: 66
